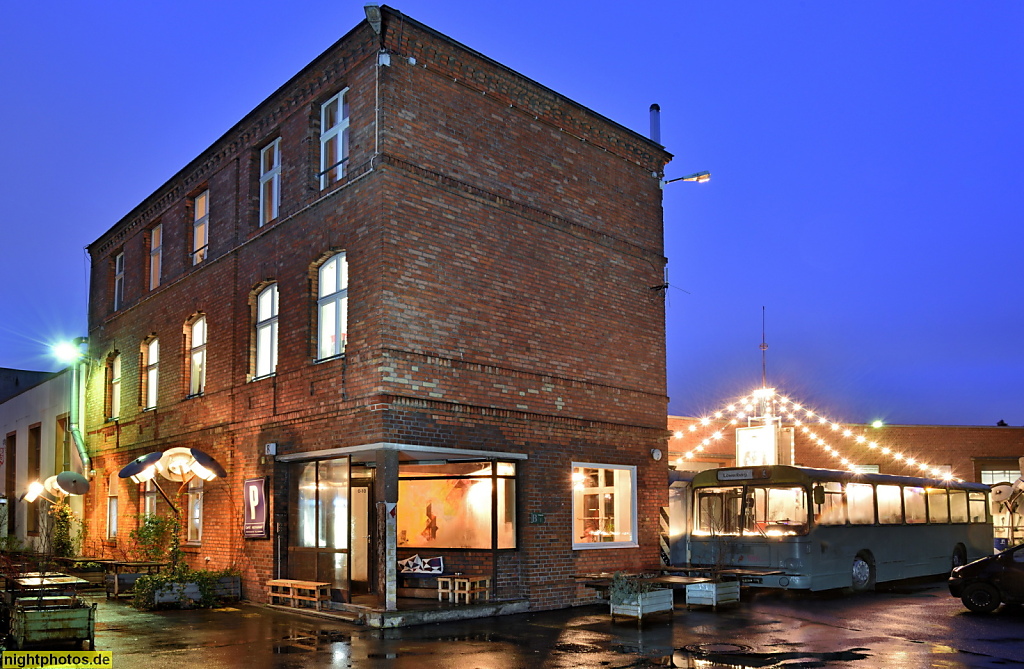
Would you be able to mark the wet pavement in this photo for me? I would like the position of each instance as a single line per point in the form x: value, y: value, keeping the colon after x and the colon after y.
x: 911, y: 625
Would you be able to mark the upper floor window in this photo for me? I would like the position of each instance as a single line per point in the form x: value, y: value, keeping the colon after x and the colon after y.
x: 156, y: 254
x: 270, y: 181
x: 151, y: 361
x: 332, y: 307
x: 114, y: 376
x: 200, y: 227
x: 118, y: 281
x: 197, y: 357
x: 333, y: 139
x: 266, y: 331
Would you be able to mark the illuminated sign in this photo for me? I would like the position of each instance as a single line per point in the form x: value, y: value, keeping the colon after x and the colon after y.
x: 254, y: 504
x: 756, y: 446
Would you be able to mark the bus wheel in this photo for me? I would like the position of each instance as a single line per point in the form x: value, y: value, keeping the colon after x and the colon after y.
x: 959, y: 557
x: 980, y: 597
x: 863, y: 573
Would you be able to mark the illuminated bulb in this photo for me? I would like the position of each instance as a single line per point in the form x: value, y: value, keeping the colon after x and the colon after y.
x: 693, y: 428
x: 678, y: 434
x: 925, y: 468
x: 847, y: 433
x: 821, y: 441
x: 705, y: 420
x: 679, y: 460
x: 897, y: 456
x: 784, y: 400
x: 733, y: 422
x: 741, y: 415
x: 860, y: 439
x: 874, y: 444
x: 718, y: 414
x: 797, y: 422
x: 577, y: 477
x: 699, y: 449
x: 717, y: 435
x: 706, y: 442
x: 749, y: 407
x: 885, y: 449
x: 846, y: 463
x: 689, y: 454
x: 810, y: 434
x: 797, y: 407
x: 834, y: 426
x: 911, y: 461
x: 822, y: 420
x: 789, y: 416
x: 731, y: 407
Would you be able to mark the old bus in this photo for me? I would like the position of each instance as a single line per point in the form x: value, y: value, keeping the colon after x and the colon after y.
x: 817, y: 529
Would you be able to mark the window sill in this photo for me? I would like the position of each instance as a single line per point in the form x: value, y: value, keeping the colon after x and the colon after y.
x: 597, y: 546
x: 192, y: 397
x: 317, y: 361
x: 261, y: 378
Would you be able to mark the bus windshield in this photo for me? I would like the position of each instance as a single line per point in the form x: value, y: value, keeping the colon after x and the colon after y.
x: 751, y: 511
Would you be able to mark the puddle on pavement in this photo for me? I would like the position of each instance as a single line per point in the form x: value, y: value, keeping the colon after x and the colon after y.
x: 737, y: 656
x: 307, y: 641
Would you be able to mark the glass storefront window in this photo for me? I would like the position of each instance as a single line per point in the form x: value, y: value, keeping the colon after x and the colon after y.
x: 457, y: 505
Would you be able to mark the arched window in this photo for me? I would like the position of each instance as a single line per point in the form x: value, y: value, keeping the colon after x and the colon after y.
x: 197, y: 357
x: 151, y: 370
x: 114, y: 387
x: 266, y: 331
x: 112, y: 483
x: 332, y: 307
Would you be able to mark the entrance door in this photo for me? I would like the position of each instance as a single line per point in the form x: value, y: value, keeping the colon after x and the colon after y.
x: 362, y: 533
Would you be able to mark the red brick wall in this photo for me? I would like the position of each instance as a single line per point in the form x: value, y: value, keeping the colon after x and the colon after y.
x: 502, y: 246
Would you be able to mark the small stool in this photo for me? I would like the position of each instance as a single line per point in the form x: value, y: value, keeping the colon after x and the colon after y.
x: 471, y: 588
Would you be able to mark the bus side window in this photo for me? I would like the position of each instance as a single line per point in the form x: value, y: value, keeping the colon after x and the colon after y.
x: 831, y: 510
x: 890, y: 504
x: 978, y: 503
x: 913, y: 503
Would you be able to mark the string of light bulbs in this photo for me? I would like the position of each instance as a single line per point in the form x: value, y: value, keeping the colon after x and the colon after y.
x: 808, y: 421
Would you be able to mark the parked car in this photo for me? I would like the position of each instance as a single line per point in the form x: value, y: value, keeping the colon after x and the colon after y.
x: 984, y: 584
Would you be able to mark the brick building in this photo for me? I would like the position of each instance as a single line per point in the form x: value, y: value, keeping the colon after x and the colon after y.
x: 971, y: 452
x: 411, y: 292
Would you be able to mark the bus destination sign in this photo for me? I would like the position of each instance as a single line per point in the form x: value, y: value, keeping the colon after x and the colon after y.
x: 743, y: 474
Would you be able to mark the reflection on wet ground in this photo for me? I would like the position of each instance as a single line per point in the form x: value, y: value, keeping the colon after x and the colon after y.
x: 916, y: 625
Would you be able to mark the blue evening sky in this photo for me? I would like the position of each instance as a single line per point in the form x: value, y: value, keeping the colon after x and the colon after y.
x: 865, y: 186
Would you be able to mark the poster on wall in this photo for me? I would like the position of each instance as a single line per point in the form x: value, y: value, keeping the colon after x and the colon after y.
x: 756, y: 446
x: 254, y: 503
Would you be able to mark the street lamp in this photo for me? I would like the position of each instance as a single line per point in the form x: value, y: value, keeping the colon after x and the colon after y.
x: 71, y: 354
x: 698, y: 177
x: 177, y: 464
x: 59, y: 486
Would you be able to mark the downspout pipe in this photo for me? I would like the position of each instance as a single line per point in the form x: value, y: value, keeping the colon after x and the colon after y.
x: 74, y: 418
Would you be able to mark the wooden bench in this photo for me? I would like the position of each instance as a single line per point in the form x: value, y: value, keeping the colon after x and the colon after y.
x: 298, y: 594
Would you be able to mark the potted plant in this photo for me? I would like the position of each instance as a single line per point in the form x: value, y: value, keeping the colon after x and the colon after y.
x: 636, y: 596
x: 717, y: 590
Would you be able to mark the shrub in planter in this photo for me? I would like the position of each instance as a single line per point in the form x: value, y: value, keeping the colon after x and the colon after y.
x: 186, y: 588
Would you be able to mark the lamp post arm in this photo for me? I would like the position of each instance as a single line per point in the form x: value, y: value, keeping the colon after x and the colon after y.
x: 167, y: 499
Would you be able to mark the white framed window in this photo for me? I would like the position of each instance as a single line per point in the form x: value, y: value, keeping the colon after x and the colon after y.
x: 115, y: 388
x: 332, y: 307
x: 266, y: 331
x: 147, y: 494
x: 156, y: 255
x: 112, y: 483
x: 151, y: 351
x: 197, y: 357
x: 195, y: 510
x: 200, y: 227
x: 993, y: 476
x: 270, y: 181
x: 603, y: 506
x: 118, y: 281
x: 333, y: 139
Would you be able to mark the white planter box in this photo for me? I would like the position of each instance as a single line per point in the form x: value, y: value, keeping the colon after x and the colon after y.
x: 712, y: 594
x: 647, y: 602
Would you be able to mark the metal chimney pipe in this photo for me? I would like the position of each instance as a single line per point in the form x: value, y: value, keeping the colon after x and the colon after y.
x: 656, y: 123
